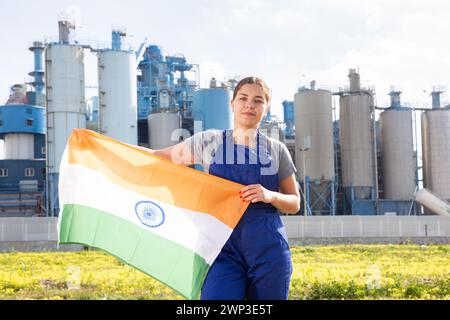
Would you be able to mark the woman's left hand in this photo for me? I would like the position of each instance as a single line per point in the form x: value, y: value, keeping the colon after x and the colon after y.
x: 256, y: 193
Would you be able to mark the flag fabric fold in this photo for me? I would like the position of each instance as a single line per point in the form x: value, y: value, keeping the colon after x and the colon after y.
x: 167, y: 220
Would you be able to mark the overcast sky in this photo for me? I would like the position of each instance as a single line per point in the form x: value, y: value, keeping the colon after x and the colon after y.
x: 287, y: 43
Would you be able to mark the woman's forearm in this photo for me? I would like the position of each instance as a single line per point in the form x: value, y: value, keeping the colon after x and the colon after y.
x: 286, y: 203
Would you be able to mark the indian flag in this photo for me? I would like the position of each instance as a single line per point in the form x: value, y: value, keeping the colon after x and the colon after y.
x: 167, y: 220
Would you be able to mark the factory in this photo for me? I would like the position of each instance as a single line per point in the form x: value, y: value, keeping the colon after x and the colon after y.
x: 353, y: 157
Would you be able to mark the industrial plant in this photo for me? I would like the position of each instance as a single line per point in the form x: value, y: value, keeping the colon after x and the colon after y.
x: 353, y: 157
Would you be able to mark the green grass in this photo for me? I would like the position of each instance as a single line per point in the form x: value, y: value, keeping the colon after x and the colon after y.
x: 320, y: 272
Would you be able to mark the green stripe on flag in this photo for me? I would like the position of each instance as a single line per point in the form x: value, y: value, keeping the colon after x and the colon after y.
x: 174, y: 265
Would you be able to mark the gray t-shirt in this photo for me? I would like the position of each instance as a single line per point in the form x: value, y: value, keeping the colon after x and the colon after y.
x: 205, y: 145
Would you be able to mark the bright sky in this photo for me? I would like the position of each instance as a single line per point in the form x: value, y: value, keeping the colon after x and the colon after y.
x: 286, y: 42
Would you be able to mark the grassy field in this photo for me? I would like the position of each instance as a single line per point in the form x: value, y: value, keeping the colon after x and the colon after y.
x: 320, y: 272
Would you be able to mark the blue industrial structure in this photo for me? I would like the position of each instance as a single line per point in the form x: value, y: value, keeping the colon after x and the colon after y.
x: 163, y: 85
x: 38, y: 73
x: 117, y: 36
x: 23, y: 129
x: 436, y: 98
x: 211, y: 109
x: 289, y: 119
x: 22, y: 118
x: 360, y: 206
x: 321, y: 201
x: 16, y: 172
x: 395, y: 99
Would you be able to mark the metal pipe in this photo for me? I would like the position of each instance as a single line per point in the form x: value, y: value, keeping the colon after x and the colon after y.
x: 432, y: 202
x: 416, y: 143
x: 308, y: 207
x: 375, y: 163
x: 412, y: 202
x: 333, y: 198
x: 47, y: 202
x: 421, y: 109
x: 336, y: 173
x: 304, y: 181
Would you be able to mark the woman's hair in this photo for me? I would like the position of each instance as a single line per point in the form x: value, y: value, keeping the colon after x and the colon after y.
x: 253, y: 80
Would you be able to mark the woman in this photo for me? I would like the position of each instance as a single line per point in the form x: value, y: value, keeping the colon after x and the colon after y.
x: 255, y: 263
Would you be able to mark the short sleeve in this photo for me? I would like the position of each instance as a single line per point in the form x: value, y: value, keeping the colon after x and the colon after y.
x: 282, y: 163
x: 287, y: 166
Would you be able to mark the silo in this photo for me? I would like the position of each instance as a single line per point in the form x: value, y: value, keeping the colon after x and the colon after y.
x: 164, y: 129
x: 313, y: 118
x: 211, y: 108
x: 356, y: 131
x: 397, y: 153
x: 118, y: 94
x: 436, y: 151
x: 65, y: 98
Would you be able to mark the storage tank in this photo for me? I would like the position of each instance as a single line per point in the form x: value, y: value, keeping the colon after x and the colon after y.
x: 436, y: 151
x: 65, y: 95
x: 397, y: 153
x: 356, y: 130
x: 118, y: 94
x: 164, y: 129
x: 313, y: 119
x: 211, y: 108
x: 65, y: 100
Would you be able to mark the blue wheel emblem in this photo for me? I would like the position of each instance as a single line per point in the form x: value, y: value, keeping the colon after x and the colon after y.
x: 150, y: 214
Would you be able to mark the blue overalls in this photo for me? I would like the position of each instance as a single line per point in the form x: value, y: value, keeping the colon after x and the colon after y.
x: 255, y: 262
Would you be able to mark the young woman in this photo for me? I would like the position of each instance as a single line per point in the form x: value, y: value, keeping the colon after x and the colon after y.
x: 255, y: 263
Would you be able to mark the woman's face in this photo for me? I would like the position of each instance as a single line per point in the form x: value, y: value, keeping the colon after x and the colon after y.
x: 249, y: 106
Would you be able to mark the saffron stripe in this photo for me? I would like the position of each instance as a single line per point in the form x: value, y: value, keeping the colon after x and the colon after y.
x: 156, y: 178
